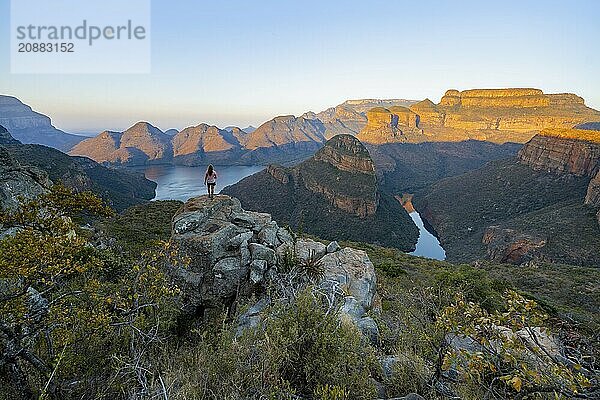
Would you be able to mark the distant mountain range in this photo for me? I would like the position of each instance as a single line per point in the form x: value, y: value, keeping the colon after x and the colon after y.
x: 492, y: 115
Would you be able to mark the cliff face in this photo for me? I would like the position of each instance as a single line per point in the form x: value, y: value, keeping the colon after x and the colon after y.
x: 5, y: 137
x: 496, y: 115
x: 343, y: 159
x: 335, y: 191
x: 563, y: 151
x: 593, y: 193
x: 345, y: 154
x: 18, y: 181
x: 29, y: 126
x: 396, y: 124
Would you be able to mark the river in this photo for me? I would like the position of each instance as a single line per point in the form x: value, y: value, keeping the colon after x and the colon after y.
x: 427, y: 245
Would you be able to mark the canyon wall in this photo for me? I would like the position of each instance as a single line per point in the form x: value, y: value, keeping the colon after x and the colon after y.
x: 571, y: 151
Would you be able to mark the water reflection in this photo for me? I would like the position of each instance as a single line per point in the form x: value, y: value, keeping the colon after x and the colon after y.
x: 180, y: 183
x: 427, y: 245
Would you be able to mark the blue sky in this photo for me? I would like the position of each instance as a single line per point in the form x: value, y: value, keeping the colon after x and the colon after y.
x: 243, y: 62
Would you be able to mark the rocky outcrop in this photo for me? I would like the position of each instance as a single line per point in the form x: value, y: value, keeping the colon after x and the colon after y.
x: 510, y: 246
x: 19, y: 182
x: 29, y: 126
x: 345, y: 153
x: 571, y: 151
x: 234, y: 253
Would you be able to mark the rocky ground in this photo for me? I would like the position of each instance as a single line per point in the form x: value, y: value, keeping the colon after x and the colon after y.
x: 236, y: 254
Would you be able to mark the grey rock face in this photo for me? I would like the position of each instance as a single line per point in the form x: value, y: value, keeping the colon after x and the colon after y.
x: 257, y: 270
x: 5, y: 137
x: 17, y: 181
x: 236, y: 253
x: 333, y: 247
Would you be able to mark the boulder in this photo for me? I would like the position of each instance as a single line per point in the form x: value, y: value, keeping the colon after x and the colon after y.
x: 511, y: 246
x: 306, y: 249
x: 268, y: 235
x: 233, y: 253
x: 333, y: 247
x: 351, y: 271
x: 257, y: 270
x: 262, y: 252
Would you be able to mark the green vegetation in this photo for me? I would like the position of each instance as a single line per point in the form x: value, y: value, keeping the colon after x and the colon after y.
x: 143, y: 226
x: 425, y: 300
x: 81, y: 321
x: 303, y: 350
x: 76, y: 321
x: 343, y: 183
x: 409, y: 167
x: 511, y: 195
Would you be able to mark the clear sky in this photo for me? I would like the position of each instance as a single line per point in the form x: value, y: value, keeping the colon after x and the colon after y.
x: 242, y: 62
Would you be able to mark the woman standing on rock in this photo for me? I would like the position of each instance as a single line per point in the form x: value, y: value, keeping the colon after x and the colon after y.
x: 210, y: 180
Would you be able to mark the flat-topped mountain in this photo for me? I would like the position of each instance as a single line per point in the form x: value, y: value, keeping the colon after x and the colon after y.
x: 350, y: 117
x: 395, y: 124
x: 495, y: 115
x: 29, y: 126
x: 333, y: 193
